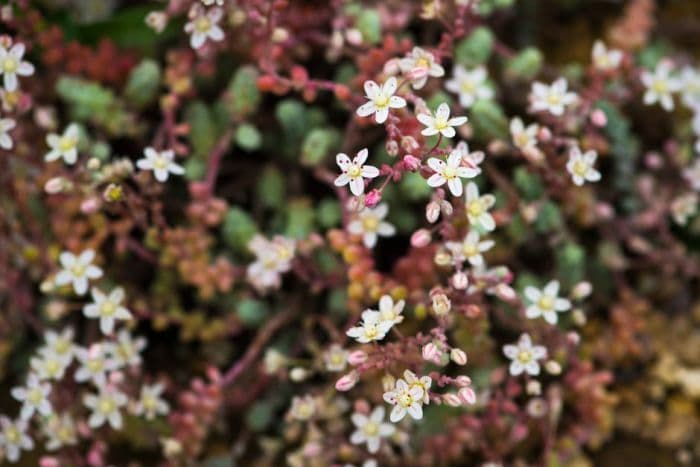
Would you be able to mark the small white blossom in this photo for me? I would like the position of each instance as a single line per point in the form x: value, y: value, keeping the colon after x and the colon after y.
x: 58, y: 345
x: 605, y: 59
x: 95, y: 363
x: 477, y: 207
x: 34, y: 397
x: 6, y: 124
x: 546, y: 302
x: 660, y: 86
x: 49, y: 365
x: 524, y: 356
x: 64, y: 146
x: 161, y: 163
x: 424, y: 382
x: 335, y: 358
x: 692, y: 174
x: 381, y: 99
x: 370, y: 223
x: 553, y: 98
x: 469, y: 85
x: 11, y: 65
x: 473, y: 159
x: 418, y: 65
x: 441, y: 122
x: 405, y: 399
x: 470, y: 249
x: 108, y: 308
x: 77, y: 270
x: 303, y: 408
x: 60, y: 431
x: 690, y: 89
x: 126, y: 351
x: 150, y: 404
x: 354, y: 171
x: 451, y: 172
x: 580, y: 166
x: 204, y: 25
x: 684, y: 207
x: 273, y: 258
x: 391, y: 311
x: 372, y: 328
x: 105, y: 407
x: 13, y: 438
x: 371, y: 429
x: 524, y: 139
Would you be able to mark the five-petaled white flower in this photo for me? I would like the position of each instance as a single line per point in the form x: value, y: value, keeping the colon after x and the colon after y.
x: 372, y: 328
x: 692, y: 174
x: 381, y: 99
x: 441, y: 122
x: 13, y: 438
x: 470, y: 249
x: 335, y: 358
x: 161, y: 163
x: 64, y: 146
x: 6, y: 124
x: 580, y: 166
x: 34, y: 397
x: 95, y: 363
x: 605, y: 59
x: 58, y: 345
x: 391, y: 311
x: 451, y: 172
x: 105, y: 407
x: 684, y: 207
x: 469, y: 85
x: 150, y: 404
x: 405, y: 399
x: 546, y: 302
x: 690, y: 91
x: 60, y: 431
x: 354, y: 171
x: 424, y: 382
x: 418, y: 65
x: 273, y: 259
x: 524, y: 356
x: 553, y: 98
x: 49, y: 365
x: 108, y: 308
x: 11, y: 65
x: 477, y: 207
x: 524, y: 138
x: 660, y: 85
x: 370, y: 223
x: 303, y: 408
x: 77, y: 270
x: 371, y: 429
x: 204, y: 25
x: 126, y: 351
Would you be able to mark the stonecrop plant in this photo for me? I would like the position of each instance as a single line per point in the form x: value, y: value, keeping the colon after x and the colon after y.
x: 349, y: 233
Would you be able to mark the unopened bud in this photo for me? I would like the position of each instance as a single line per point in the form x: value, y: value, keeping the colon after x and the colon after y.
x: 467, y: 395
x: 420, y: 238
x: 373, y: 198
x: 93, y: 163
x: 582, y: 290
x: 392, y: 67
x: 534, y: 387
x: 446, y: 208
x: 442, y: 258
x: 553, y: 367
x: 298, y: 374
x: 432, y: 212
x: 280, y: 35
x: 411, y: 163
x: 431, y: 352
x: 441, y: 304
x: 55, y: 185
x: 460, y: 281
x: 505, y: 292
x: 90, y: 205
x: 598, y: 118
x: 409, y: 144
x: 347, y: 382
x: 358, y: 357
x: 463, y: 381
x: 458, y: 356
x: 578, y: 317
x: 392, y: 148
x: 452, y: 400
x: 353, y: 36
x: 388, y: 382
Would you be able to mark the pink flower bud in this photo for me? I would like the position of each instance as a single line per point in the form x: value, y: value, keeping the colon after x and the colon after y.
x: 460, y: 281
x: 373, y: 198
x: 347, y: 382
x: 49, y: 462
x: 420, y: 238
x: 598, y: 118
x: 467, y: 395
x: 573, y: 337
x: 458, y: 356
x: 353, y: 36
x: 55, y: 185
x: 505, y: 292
x: 358, y: 357
x: 430, y: 352
x: 452, y: 400
x: 463, y: 381
x: 90, y: 205
x: 391, y: 67
x: 545, y: 134
x: 432, y: 212
x: 411, y: 163
x: 582, y: 290
x: 446, y: 208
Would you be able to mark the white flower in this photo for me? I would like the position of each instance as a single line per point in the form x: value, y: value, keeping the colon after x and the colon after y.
x: 108, y: 308
x: 381, y: 99
x: 553, y: 98
x: 420, y: 64
x: 6, y: 124
x: 150, y: 404
x: 49, y: 366
x: 64, y: 146
x: 77, y: 270
x: 690, y: 89
x: 126, y: 351
x: 371, y: 429
x: 692, y: 174
x: 161, y: 163
x: 204, y: 25
x: 477, y: 207
x: 451, y: 172
x: 391, y: 311
x: 60, y: 431
x: 524, y: 356
x: 684, y: 207
x: 34, y: 397
x: 273, y: 258
x: 660, y: 86
x: 424, y: 382
x: 441, y: 122
x: 473, y: 159
x: 13, y: 438
x: 59, y: 345
x: 335, y: 358
x: 11, y: 65
x: 95, y: 362
x: 105, y: 407
x: 580, y: 166
x: 524, y: 139
x: 470, y: 85
x: 470, y: 248
x: 372, y: 328
x: 545, y: 302
x: 605, y: 59
x: 353, y: 171
x: 370, y: 223
x: 405, y: 399
x: 303, y: 408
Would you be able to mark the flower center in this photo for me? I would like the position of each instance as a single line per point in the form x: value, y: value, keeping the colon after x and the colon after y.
x: 371, y: 332
x: 354, y: 171
x: 160, y: 163
x: 449, y: 172
x: 149, y: 402
x: 468, y: 86
x: 475, y: 208
x: 388, y: 315
x: 67, y: 143
x: 202, y: 24
x: 62, y: 346
x: 470, y: 249
x: 580, y: 168
x: 35, y: 396
x: 94, y: 365
x: 440, y: 123
x: 10, y: 65
x: 524, y: 356
x: 554, y: 99
x: 52, y: 367
x: 660, y: 86
x: 370, y: 223
x: 107, y: 406
x: 381, y: 101
x: 108, y: 308
x: 12, y: 435
x: 78, y: 270
x: 522, y: 139
x: 65, y: 434
x: 545, y: 303
x: 371, y: 429
x: 423, y: 62
x: 405, y: 399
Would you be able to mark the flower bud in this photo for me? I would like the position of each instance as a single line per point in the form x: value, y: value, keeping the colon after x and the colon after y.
x: 578, y: 317
x: 452, y: 400
x: 598, y: 118
x: 463, y: 381
x: 392, y: 148
x: 537, y: 407
x: 431, y: 352
x: 353, y: 36
x: 534, y: 387
x: 55, y: 185
x: 432, y: 212
x: 505, y: 292
x: 357, y: 357
x: 441, y: 304
x: 157, y: 20
x: 420, y: 238
x: 298, y: 374
x: 93, y: 163
x: 553, y: 367
x: 411, y: 163
x: 458, y: 356
x: 442, y: 258
x: 460, y: 281
x: 582, y: 290
x: 467, y: 395
x: 409, y: 144
x: 280, y: 35
x: 347, y: 382
x: 373, y: 198
x: 573, y: 337
x: 90, y: 205
x: 446, y: 208
x: 388, y: 382
x: 391, y: 67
